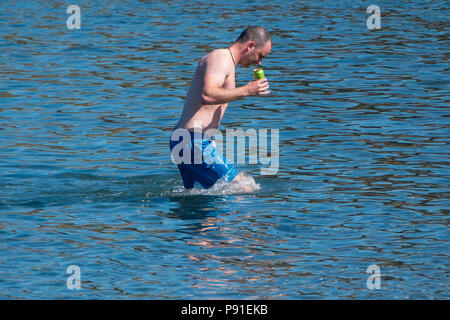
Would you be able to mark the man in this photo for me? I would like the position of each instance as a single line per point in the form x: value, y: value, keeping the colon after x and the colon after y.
x: 212, y: 88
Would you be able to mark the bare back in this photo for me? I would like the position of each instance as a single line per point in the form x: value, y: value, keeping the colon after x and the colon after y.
x: 219, y: 67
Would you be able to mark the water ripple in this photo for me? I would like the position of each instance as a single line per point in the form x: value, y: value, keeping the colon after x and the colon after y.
x: 86, y: 176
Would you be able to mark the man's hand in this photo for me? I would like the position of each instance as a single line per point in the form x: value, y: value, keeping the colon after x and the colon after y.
x: 258, y: 87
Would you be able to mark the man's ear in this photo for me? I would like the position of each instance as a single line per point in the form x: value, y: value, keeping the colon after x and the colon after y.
x: 250, y: 45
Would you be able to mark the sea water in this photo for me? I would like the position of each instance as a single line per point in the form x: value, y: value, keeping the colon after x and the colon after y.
x: 86, y: 178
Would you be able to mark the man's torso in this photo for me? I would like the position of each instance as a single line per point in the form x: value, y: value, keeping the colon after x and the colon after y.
x: 205, y: 116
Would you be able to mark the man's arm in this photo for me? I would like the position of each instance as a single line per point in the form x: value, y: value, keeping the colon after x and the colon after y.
x: 216, y: 70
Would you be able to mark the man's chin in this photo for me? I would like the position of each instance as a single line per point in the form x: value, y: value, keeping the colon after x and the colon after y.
x: 248, y: 64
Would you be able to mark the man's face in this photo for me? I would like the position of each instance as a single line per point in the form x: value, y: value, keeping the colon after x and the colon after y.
x: 255, y: 55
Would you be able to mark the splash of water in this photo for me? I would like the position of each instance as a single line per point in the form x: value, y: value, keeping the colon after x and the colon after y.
x: 245, y: 185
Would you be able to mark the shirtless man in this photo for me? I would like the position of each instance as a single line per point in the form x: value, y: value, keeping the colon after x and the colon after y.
x: 212, y: 88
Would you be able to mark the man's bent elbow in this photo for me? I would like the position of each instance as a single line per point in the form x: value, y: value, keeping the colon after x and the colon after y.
x: 206, y: 99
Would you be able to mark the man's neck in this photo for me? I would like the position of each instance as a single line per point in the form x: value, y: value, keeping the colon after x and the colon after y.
x: 237, y: 51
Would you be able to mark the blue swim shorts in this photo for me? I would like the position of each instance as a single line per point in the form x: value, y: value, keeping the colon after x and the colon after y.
x: 203, y: 164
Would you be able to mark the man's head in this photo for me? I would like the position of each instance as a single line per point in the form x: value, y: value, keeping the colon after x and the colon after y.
x: 255, y: 43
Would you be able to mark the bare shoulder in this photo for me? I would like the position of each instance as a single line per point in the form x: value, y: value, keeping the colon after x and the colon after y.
x: 219, y: 57
x: 218, y: 53
x: 217, y: 63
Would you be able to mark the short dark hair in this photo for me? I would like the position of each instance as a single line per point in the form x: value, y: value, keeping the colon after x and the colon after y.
x: 255, y: 33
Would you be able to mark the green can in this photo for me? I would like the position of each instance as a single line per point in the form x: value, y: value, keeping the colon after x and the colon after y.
x: 258, y: 73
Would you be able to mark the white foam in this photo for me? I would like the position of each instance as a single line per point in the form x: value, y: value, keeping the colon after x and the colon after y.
x: 246, y: 184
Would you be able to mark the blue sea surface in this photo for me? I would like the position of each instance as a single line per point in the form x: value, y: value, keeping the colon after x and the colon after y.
x: 86, y: 176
